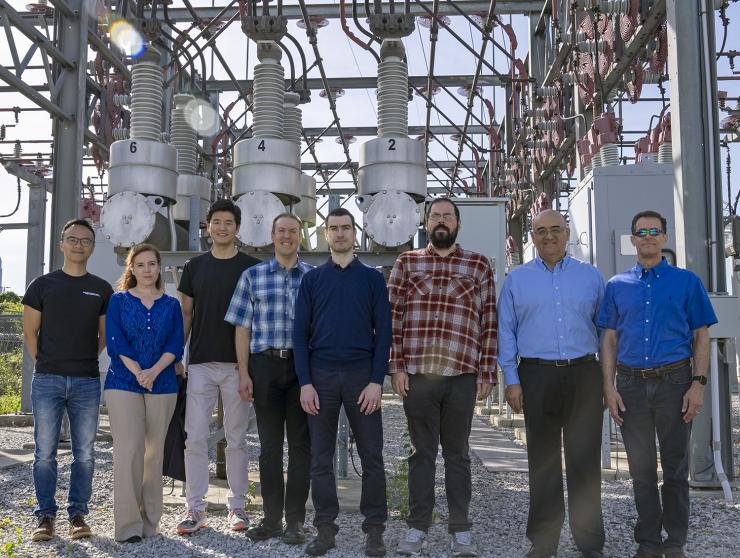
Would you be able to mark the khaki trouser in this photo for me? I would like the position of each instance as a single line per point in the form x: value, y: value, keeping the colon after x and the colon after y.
x: 205, y: 381
x: 139, y: 425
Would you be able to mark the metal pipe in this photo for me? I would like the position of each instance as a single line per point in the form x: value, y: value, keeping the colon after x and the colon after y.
x: 716, y: 434
x: 433, y: 32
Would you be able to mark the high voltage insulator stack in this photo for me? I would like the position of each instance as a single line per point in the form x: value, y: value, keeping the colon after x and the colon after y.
x: 392, y: 169
x: 143, y: 170
x: 266, y: 174
x: 189, y: 183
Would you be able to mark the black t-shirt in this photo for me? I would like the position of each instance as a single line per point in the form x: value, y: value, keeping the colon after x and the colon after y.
x: 70, y: 310
x: 210, y: 282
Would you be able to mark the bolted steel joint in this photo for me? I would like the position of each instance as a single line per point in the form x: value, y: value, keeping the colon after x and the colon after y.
x: 265, y: 27
x: 392, y: 26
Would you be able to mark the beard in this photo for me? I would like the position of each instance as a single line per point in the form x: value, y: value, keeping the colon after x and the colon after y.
x: 443, y: 241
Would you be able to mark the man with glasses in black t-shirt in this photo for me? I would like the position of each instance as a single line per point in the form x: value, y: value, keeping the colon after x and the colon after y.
x: 64, y: 331
x: 206, y: 286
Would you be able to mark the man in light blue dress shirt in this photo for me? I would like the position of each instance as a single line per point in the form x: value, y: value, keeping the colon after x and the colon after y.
x: 547, y: 345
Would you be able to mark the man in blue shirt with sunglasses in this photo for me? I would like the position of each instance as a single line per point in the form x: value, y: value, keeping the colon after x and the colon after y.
x: 655, y: 319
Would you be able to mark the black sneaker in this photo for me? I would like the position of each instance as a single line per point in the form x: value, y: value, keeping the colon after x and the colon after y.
x: 294, y: 534
x: 263, y: 531
x: 44, y: 529
x: 323, y: 542
x: 374, y: 545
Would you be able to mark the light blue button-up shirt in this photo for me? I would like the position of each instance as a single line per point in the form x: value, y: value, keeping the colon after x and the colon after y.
x: 548, y: 313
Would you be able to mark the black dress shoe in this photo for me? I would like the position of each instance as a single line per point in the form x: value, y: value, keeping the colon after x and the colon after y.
x: 263, y: 531
x: 674, y: 553
x: 134, y: 539
x: 323, y: 543
x: 294, y: 534
x: 374, y: 545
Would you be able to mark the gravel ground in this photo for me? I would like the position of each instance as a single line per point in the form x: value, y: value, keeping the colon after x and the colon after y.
x: 499, y: 510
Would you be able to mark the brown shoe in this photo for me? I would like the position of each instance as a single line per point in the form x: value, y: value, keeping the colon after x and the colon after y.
x: 78, y: 529
x: 44, y: 530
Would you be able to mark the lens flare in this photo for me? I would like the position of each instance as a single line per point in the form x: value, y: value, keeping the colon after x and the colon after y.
x: 202, y: 117
x: 128, y: 39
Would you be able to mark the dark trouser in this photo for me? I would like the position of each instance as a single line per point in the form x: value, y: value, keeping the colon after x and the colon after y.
x: 654, y: 405
x: 336, y: 388
x: 565, y: 400
x: 439, y: 410
x: 278, y: 409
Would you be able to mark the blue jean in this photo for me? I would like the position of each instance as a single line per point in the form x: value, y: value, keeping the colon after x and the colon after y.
x: 654, y: 405
x: 50, y: 396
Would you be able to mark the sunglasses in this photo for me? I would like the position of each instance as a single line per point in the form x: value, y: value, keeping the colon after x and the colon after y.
x: 642, y: 233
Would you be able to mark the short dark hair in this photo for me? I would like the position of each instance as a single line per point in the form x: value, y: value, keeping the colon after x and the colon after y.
x: 78, y: 222
x: 340, y: 212
x: 289, y: 216
x: 225, y: 205
x: 650, y: 214
x: 435, y: 201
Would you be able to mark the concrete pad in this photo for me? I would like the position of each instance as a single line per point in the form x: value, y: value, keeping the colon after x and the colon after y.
x: 495, y: 450
x: 11, y: 457
x: 348, y: 492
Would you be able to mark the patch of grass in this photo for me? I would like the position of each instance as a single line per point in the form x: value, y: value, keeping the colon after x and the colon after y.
x: 10, y: 404
x: 397, y: 483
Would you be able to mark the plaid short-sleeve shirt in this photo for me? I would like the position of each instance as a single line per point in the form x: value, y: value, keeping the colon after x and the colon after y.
x: 443, y: 312
x: 264, y: 302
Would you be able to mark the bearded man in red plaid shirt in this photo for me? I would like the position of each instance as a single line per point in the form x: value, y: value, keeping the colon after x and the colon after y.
x: 443, y: 355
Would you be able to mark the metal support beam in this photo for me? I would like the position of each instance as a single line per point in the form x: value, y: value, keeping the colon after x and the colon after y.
x: 697, y: 190
x: 69, y: 134
x: 331, y: 11
x: 19, y: 86
x: 34, y: 268
x: 362, y: 82
x: 15, y: 18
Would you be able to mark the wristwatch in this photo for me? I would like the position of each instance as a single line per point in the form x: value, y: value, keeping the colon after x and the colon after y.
x: 701, y: 379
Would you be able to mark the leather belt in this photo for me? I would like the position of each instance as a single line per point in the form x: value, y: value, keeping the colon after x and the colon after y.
x: 655, y: 372
x: 565, y: 362
x: 277, y: 353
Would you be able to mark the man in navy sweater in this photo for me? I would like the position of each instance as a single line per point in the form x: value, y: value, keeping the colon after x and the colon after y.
x: 341, y: 344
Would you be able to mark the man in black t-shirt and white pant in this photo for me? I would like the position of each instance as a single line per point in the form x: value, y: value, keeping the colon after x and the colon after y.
x: 205, y: 288
x: 64, y: 330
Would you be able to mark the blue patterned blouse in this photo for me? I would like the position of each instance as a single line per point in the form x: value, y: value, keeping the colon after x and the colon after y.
x: 144, y: 335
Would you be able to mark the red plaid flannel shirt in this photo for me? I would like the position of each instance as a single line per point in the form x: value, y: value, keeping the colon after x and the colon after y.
x: 443, y: 313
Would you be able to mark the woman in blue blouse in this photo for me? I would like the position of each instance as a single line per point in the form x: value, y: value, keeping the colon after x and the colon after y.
x: 144, y: 336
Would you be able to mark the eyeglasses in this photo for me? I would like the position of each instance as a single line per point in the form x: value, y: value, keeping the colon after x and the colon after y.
x: 542, y: 232
x: 449, y: 217
x: 642, y: 233
x: 74, y: 241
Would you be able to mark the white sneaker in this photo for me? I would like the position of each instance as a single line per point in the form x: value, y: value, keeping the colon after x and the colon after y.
x: 413, y: 543
x: 193, y: 521
x: 238, y: 520
x: 463, y: 545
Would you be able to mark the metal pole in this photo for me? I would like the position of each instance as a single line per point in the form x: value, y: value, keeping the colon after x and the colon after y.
x: 71, y: 34
x: 697, y: 202
x: 34, y: 268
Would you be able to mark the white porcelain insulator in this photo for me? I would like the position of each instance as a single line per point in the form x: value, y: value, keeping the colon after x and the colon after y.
x: 268, y: 100
x: 292, y: 120
x: 183, y: 137
x: 147, y: 87
x: 393, y: 84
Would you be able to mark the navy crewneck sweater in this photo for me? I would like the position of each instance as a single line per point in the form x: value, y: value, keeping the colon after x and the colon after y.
x: 342, y: 321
